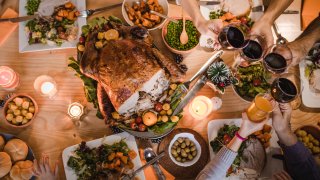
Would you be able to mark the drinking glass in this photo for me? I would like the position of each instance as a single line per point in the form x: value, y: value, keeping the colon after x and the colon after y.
x: 233, y: 36
x: 260, y: 108
x: 278, y: 59
x: 286, y: 88
x: 254, y: 49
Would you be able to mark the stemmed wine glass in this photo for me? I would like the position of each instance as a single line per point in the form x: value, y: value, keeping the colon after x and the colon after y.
x: 278, y: 59
x: 285, y: 88
x: 233, y: 36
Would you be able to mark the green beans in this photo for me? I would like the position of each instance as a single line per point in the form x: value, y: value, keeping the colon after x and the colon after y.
x: 173, y: 35
x: 32, y: 6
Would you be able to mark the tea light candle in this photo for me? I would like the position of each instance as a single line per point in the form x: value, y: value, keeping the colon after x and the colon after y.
x: 200, y: 107
x: 75, y: 110
x: 46, y: 86
x: 9, y: 79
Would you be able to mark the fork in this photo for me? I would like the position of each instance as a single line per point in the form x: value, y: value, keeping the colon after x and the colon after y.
x: 89, y: 12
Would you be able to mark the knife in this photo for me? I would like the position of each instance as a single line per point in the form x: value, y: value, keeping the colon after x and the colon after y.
x: 208, y: 3
x: 193, y: 91
x: 19, y: 19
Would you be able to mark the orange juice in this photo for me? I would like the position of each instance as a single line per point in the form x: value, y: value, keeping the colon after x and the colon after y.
x: 259, y: 108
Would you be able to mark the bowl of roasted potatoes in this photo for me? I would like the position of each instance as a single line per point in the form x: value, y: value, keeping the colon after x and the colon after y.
x: 184, y: 149
x: 20, y: 110
x: 139, y: 13
x: 310, y: 137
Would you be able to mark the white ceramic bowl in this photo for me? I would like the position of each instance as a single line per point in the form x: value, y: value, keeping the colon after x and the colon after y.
x: 163, y: 3
x: 191, y: 137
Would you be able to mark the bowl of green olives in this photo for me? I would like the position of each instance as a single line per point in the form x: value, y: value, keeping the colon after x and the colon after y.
x: 184, y: 149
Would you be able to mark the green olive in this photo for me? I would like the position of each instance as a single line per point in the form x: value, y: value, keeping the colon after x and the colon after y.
x: 183, y: 145
x: 194, y: 153
x: 178, y: 159
x: 173, y: 152
x: 178, y: 150
x: 180, y: 140
x: 183, y: 160
x: 187, y: 150
x: 176, y: 143
x: 193, y: 148
x: 192, y: 143
x: 190, y: 157
x: 187, y: 142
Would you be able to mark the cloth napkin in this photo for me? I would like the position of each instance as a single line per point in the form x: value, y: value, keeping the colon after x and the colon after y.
x: 6, y: 28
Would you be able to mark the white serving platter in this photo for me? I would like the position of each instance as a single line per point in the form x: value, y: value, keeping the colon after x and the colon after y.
x: 272, y: 166
x: 129, y: 139
x: 309, y: 98
x: 206, y: 9
x: 23, y: 37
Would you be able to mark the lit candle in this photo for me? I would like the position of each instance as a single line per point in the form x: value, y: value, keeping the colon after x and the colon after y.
x: 46, y: 86
x: 200, y: 107
x: 75, y: 110
x: 9, y: 79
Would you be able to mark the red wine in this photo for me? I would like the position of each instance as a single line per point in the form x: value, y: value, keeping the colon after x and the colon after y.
x: 231, y: 37
x: 275, y: 62
x: 283, y: 90
x: 253, y: 50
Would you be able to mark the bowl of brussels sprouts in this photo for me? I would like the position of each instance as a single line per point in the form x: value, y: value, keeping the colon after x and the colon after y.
x: 20, y: 110
x: 184, y: 149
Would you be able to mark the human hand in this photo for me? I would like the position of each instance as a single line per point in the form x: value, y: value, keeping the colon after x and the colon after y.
x: 298, y: 51
x: 281, y: 117
x: 282, y: 175
x: 210, y: 28
x: 42, y: 169
x: 248, y: 127
x: 263, y: 29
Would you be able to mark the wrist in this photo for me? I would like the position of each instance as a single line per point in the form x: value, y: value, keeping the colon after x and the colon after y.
x: 243, y: 133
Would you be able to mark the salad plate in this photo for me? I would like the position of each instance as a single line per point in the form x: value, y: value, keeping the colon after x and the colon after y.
x: 309, y: 98
x: 128, y: 139
x: 272, y: 165
x: 206, y: 9
x: 24, y: 46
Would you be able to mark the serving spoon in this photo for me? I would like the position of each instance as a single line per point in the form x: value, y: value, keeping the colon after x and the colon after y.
x: 184, y: 36
x: 149, y: 154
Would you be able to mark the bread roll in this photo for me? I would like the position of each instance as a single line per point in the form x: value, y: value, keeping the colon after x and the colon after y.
x: 2, y: 143
x: 17, y: 149
x: 22, y: 170
x: 5, y: 164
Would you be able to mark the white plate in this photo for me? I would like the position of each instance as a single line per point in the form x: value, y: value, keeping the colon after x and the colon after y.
x: 272, y: 166
x: 23, y: 37
x: 191, y: 137
x: 309, y: 99
x: 129, y: 139
x: 205, y: 10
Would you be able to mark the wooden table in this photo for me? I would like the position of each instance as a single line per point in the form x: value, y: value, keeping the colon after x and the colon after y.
x: 52, y: 130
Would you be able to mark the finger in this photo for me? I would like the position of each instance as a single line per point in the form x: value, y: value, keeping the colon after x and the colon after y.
x: 283, y: 176
x: 42, y: 167
x: 244, y: 116
x: 278, y: 177
x: 286, y: 175
x: 47, y: 164
x: 36, y: 166
x: 35, y: 172
x: 56, y: 169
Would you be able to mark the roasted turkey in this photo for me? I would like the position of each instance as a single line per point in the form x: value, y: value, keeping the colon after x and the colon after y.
x: 130, y: 70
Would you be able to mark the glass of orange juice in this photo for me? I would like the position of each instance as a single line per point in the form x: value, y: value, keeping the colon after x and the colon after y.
x: 261, y: 107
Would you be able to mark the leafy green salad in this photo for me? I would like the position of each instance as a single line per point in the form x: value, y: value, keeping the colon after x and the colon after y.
x: 252, y: 81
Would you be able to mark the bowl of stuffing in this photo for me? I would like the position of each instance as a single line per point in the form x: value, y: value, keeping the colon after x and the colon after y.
x: 139, y: 12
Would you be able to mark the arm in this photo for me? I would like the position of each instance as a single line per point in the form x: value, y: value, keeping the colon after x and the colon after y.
x: 219, y: 165
x: 298, y: 160
x: 301, y: 46
x: 263, y: 26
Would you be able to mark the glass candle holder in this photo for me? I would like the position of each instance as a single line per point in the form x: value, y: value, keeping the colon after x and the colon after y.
x: 9, y: 79
x: 45, y: 86
x: 75, y: 110
x: 200, y: 107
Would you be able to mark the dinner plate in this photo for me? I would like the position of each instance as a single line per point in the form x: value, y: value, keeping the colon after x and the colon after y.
x: 309, y: 98
x: 23, y: 37
x: 129, y: 139
x: 272, y: 166
x: 30, y: 155
x: 206, y: 9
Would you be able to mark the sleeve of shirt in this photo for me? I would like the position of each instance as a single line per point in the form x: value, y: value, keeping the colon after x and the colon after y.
x: 217, y: 168
x: 299, y: 162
